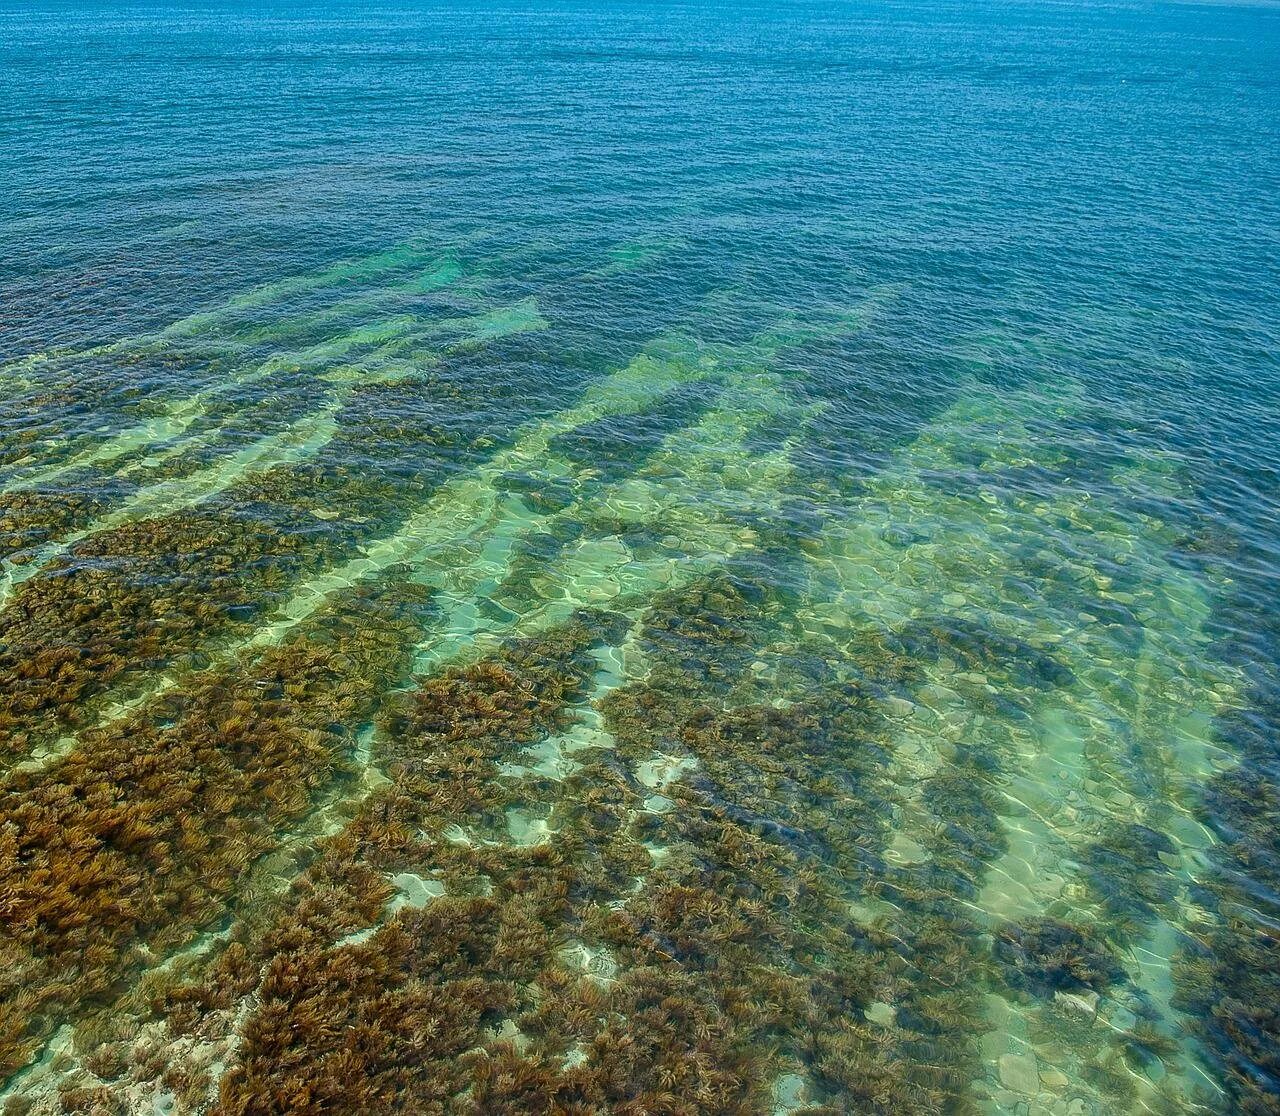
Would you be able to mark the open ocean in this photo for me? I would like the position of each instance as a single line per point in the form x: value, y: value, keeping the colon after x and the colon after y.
x: 640, y: 558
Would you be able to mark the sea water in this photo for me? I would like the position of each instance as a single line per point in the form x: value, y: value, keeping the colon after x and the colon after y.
x: 640, y: 557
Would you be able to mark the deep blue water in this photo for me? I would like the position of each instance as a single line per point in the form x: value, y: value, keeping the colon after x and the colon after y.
x: 986, y: 296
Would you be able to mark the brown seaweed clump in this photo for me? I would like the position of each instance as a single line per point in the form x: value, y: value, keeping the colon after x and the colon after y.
x: 1231, y: 986
x: 382, y: 1025
x: 117, y: 854
x: 669, y: 949
x: 29, y: 519
x: 403, y: 1020
x: 778, y: 826
x: 129, y: 602
x: 1124, y: 870
x: 478, y: 1002
x: 978, y: 647
x: 1046, y: 955
x: 151, y: 594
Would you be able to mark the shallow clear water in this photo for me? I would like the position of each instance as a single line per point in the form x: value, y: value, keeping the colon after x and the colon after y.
x: 640, y: 558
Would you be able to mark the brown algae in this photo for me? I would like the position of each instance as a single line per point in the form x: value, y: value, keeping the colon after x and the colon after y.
x: 411, y: 757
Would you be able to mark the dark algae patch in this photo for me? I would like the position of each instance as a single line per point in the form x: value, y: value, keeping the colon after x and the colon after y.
x: 1048, y: 956
x: 1231, y: 979
x: 118, y: 854
x: 648, y: 956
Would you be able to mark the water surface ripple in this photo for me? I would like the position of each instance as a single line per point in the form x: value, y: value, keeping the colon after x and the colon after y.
x: 640, y: 558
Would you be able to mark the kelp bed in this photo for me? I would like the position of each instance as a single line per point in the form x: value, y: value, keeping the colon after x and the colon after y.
x: 376, y: 742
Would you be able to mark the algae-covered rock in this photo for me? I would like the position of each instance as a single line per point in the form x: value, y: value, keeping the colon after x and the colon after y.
x: 1045, y: 956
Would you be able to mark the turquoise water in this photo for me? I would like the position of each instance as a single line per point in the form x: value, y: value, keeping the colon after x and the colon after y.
x: 641, y: 558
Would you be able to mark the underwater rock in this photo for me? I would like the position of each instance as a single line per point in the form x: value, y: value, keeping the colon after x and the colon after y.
x: 881, y: 1014
x: 1020, y: 1073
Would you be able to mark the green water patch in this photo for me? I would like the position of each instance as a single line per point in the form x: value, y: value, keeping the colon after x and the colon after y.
x: 614, y: 445
x: 707, y: 493
x: 690, y: 505
x: 464, y: 508
x: 334, y: 278
x: 177, y: 417
x: 35, y: 516
x: 162, y: 587
x: 463, y: 540
x: 402, y: 293
x: 140, y: 397
x: 82, y: 407
x: 763, y: 798
x: 638, y: 255
x: 474, y: 516
x: 1056, y: 701
x: 293, y: 342
x: 520, y: 317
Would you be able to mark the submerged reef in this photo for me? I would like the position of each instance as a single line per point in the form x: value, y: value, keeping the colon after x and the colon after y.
x: 1125, y: 871
x: 28, y: 519
x: 1231, y: 980
x: 408, y: 750
x: 479, y: 936
x: 149, y: 595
